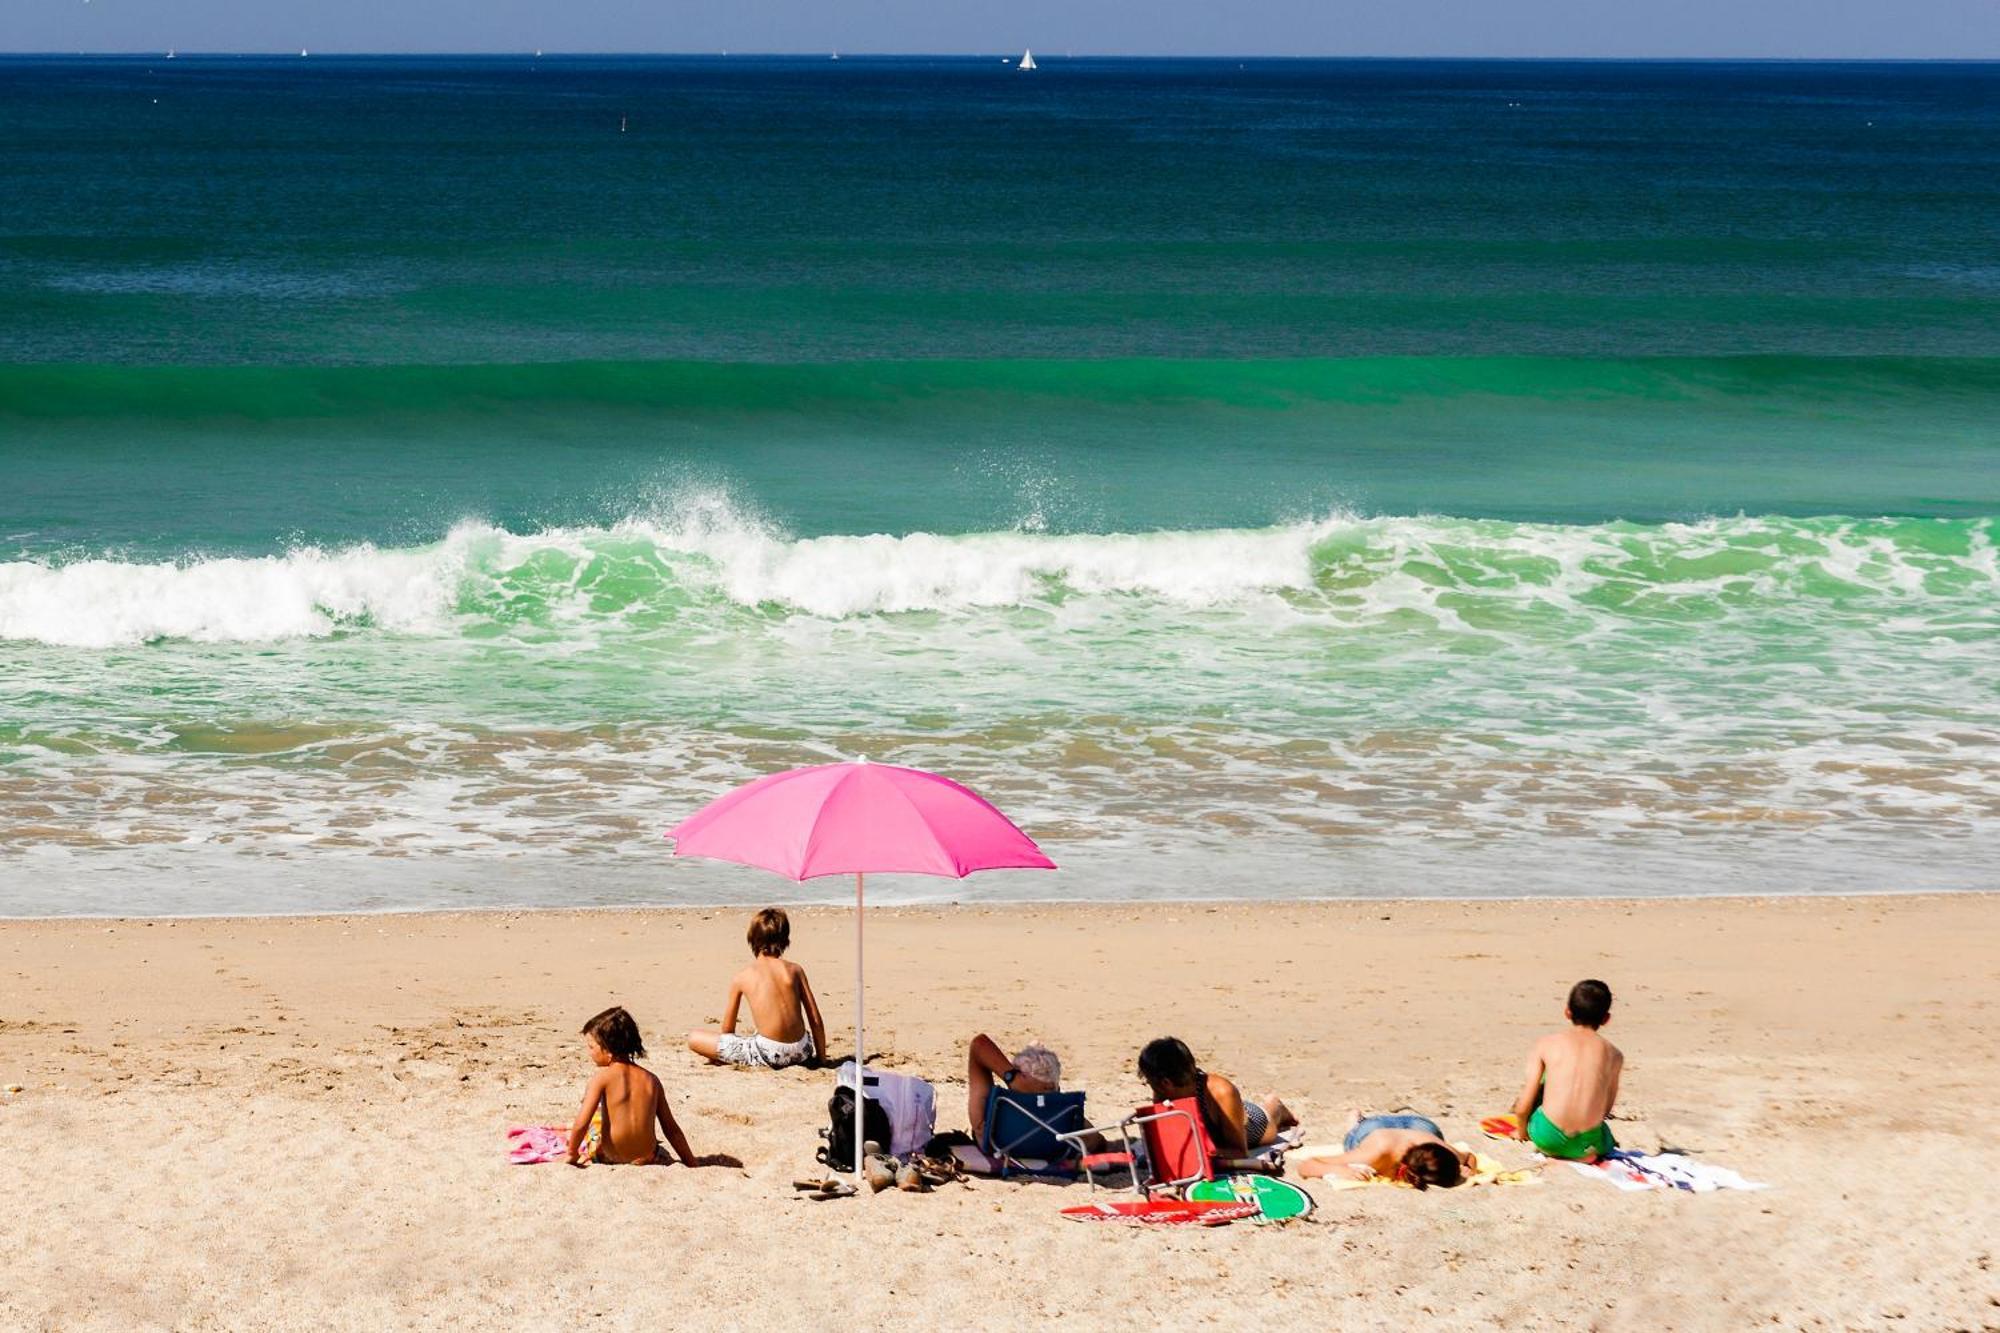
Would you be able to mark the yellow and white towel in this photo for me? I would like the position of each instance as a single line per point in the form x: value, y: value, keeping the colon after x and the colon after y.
x: 1485, y: 1170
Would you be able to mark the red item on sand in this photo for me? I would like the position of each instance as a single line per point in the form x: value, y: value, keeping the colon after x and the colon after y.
x: 1164, y: 1212
x: 1179, y: 1151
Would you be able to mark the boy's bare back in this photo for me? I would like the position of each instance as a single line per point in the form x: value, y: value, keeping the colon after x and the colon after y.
x: 632, y: 1098
x: 790, y: 1030
x: 624, y: 1098
x: 775, y: 991
x: 1580, y: 1072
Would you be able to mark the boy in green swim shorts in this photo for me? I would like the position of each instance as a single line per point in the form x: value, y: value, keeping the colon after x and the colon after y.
x: 1573, y: 1081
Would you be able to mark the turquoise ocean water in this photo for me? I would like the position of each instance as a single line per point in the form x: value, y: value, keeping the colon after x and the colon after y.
x: 423, y: 481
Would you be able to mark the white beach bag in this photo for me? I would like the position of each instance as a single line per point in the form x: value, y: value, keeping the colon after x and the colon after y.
x: 911, y: 1104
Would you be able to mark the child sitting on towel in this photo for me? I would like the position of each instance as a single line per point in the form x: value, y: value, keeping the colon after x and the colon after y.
x: 623, y: 1100
x: 1409, y: 1148
x: 789, y: 1030
x: 1572, y: 1082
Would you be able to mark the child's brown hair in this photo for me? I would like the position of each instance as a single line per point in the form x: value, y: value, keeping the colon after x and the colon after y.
x: 770, y: 932
x: 1429, y: 1164
x: 615, y: 1031
x: 1589, y: 1003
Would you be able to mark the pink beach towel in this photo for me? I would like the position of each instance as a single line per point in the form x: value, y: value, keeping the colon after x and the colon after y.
x: 529, y: 1145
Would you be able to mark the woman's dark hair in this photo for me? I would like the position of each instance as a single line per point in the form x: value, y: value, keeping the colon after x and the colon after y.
x: 617, y: 1034
x: 1168, y: 1060
x: 1589, y: 1003
x: 770, y: 932
x: 1429, y: 1164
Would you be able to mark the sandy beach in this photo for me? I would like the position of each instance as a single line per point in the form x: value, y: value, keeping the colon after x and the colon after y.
x: 297, y: 1122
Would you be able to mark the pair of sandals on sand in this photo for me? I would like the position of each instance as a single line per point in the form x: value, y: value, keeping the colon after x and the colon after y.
x: 919, y: 1175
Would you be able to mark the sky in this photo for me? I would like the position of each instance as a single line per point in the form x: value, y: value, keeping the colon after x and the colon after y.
x: 1785, y: 29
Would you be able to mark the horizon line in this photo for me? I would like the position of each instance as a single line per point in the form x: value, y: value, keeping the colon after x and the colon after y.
x: 829, y: 56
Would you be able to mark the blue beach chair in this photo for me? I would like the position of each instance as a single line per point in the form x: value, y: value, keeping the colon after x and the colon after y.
x: 1025, y: 1131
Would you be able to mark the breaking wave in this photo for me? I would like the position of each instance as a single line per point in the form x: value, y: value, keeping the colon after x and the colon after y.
x: 709, y: 558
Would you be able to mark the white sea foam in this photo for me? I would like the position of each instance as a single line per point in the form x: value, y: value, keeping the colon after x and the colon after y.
x: 845, y: 576
x: 303, y: 594
x: 1468, y: 578
x: 312, y: 593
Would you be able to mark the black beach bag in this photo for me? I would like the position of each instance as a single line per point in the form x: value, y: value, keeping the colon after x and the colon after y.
x: 838, y: 1152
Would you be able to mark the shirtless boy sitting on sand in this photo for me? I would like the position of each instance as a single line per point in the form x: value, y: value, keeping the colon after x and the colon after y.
x: 1572, y: 1082
x: 1409, y: 1148
x: 627, y: 1098
x: 789, y: 1029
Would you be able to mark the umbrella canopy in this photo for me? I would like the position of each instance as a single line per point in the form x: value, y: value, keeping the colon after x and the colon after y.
x: 849, y: 819
x: 846, y: 819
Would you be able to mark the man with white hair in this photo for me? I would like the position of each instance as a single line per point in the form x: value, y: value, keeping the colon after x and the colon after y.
x: 1034, y: 1068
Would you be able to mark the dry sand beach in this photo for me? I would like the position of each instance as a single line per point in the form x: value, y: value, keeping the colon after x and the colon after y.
x: 297, y: 1122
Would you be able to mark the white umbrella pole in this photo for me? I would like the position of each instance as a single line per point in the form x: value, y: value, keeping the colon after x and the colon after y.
x: 861, y: 1041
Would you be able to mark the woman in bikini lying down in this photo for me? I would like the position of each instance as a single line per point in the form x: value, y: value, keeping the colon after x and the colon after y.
x: 1409, y: 1148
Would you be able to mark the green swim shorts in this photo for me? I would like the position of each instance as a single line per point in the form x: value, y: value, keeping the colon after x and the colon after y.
x: 1542, y: 1132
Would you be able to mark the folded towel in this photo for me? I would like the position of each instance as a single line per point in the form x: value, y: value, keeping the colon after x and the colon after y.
x: 1664, y: 1170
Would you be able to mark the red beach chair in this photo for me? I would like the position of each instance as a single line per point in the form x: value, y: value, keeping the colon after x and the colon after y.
x: 1178, y: 1150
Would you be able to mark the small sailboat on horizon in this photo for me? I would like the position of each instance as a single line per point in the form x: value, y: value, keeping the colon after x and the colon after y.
x: 1027, y: 60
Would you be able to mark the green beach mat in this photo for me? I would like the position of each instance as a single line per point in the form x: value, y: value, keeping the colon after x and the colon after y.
x: 1277, y: 1200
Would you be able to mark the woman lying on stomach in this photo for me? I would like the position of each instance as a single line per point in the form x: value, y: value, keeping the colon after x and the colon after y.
x: 1409, y: 1148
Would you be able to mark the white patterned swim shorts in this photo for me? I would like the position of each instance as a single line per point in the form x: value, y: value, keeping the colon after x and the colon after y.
x: 760, y: 1051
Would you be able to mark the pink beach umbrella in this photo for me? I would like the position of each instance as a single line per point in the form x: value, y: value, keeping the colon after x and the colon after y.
x: 851, y: 819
